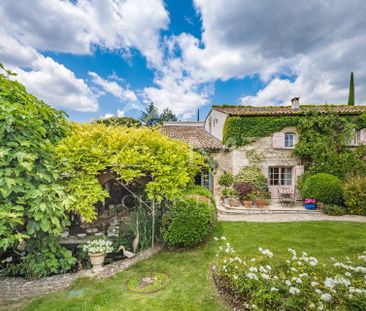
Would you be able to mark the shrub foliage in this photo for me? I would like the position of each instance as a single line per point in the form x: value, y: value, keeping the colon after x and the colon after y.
x: 323, y: 187
x: 355, y: 195
x: 188, y: 222
x: 32, y: 198
x: 334, y: 210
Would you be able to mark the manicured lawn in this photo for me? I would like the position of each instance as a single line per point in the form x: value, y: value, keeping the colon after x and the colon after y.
x: 191, y: 287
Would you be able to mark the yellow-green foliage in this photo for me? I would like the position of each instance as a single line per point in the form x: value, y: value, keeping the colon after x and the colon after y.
x: 130, y: 153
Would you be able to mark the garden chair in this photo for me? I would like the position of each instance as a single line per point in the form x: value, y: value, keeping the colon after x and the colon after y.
x: 286, y: 196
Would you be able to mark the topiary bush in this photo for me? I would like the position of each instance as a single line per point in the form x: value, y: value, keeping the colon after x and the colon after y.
x: 226, y: 179
x: 334, y: 210
x: 323, y: 187
x: 188, y: 223
x: 354, y: 192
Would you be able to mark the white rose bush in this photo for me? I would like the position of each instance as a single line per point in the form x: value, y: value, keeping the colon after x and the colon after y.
x: 298, y: 282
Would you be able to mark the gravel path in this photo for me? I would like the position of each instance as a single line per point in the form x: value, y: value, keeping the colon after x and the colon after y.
x: 290, y: 217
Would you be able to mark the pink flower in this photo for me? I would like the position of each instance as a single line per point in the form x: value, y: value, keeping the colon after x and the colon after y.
x: 310, y: 201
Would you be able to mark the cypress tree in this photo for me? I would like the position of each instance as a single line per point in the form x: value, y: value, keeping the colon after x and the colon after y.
x: 351, y: 96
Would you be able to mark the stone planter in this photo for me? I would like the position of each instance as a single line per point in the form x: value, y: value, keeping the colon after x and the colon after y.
x: 234, y: 202
x: 260, y: 203
x: 247, y: 203
x: 97, y: 261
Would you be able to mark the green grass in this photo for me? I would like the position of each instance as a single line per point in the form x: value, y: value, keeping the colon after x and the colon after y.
x: 191, y: 287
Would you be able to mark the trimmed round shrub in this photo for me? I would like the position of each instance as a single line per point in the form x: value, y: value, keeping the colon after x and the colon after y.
x: 188, y: 223
x: 334, y: 210
x: 354, y: 192
x: 323, y: 187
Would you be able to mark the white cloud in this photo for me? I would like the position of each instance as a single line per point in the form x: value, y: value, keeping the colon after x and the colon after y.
x: 120, y: 113
x: 45, y: 78
x: 63, y: 26
x: 113, y: 88
x: 31, y: 27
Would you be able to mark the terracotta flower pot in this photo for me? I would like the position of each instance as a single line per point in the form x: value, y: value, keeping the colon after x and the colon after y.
x: 260, y: 203
x: 97, y: 261
x: 234, y: 202
x: 247, y: 203
x: 319, y: 205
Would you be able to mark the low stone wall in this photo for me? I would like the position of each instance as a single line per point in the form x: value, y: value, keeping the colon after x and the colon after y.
x: 15, y: 289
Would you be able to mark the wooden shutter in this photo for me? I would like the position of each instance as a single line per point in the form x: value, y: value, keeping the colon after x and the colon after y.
x: 363, y: 137
x: 278, y: 140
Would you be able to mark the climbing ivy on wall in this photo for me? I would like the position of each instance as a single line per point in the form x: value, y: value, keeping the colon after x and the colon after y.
x: 240, y: 131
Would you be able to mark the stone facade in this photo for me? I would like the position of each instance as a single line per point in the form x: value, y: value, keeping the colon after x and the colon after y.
x: 14, y: 289
x: 234, y: 160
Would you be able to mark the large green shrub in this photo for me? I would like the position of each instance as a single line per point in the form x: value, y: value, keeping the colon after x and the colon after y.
x: 32, y: 198
x: 188, y: 223
x: 323, y: 187
x: 334, y: 210
x: 355, y: 195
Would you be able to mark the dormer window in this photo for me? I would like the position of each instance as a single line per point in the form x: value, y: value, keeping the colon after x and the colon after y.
x: 289, y: 140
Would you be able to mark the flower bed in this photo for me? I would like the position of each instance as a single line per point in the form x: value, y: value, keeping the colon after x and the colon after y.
x: 298, y: 283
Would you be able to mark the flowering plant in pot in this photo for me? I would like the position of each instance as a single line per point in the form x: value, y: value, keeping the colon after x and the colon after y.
x: 245, y: 193
x: 230, y: 197
x: 97, y: 249
x: 226, y: 180
x: 310, y: 204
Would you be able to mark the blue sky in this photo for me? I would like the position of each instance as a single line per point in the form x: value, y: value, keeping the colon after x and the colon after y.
x: 98, y: 58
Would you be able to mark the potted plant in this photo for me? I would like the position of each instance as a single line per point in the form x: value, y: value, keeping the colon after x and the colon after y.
x: 232, y: 198
x: 262, y: 198
x: 226, y: 180
x: 245, y: 193
x: 97, y: 249
x: 310, y: 204
x: 227, y: 193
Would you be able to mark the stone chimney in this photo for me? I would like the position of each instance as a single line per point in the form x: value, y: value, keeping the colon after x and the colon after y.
x: 295, y: 103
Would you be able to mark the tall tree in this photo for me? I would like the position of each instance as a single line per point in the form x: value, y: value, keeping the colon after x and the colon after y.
x: 351, y: 96
x: 150, y: 116
x: 167, y: 116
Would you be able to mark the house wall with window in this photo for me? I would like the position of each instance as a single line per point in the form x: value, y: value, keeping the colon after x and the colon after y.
x: 214, y: 123
x: 281, y: 168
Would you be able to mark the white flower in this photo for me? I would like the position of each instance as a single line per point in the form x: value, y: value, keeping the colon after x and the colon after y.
x: 314, y: 284
x: 252, y: 276
x: 274, y: 289
x: 293, y: 290
x: 326, y: 297
x: 303, y: 275
x: 288, y: 283
x: 216, y: 239
x: 297, y: 280
x: 268, y: 267
x: 265, y: 276
x: 293, y: 269
x: 348, y: 274
x: 299, y: 263
x: 318, y: 291
x: 223, y: 238
x: 235, y: 277
x: 312, y: 306
x: 253, y: 269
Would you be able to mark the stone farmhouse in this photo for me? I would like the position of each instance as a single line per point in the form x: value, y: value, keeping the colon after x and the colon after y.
x: 279, y: 165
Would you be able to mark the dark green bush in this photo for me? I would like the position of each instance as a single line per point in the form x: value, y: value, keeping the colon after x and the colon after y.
x: 354, y: 192
x: 226, y: 179
x: 188, y: 223
x: 323, y: 187
x: 334, y: 210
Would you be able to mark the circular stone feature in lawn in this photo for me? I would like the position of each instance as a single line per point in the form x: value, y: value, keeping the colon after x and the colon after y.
x: 148, y: 282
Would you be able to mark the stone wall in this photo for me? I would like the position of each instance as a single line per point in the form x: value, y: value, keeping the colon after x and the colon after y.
x: 15, y: 290
x: 234, y: 160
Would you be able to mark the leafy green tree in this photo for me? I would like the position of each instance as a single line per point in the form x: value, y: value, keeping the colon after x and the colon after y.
x: 167, y: 116
x: 150, y: 117
x: 128, y: 154
x: 32, y: 198
x: 351, y: 96
x: 120, y: 121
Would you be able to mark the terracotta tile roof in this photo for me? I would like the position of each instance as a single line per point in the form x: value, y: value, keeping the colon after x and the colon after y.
x: 194, y: 135
x: 287, y: 110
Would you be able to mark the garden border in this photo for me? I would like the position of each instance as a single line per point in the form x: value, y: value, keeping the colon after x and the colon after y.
x: 17, y: 289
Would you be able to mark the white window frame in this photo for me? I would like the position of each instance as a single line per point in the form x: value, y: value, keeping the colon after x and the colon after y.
x: 280, y: 175
x: 286, y: 141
